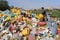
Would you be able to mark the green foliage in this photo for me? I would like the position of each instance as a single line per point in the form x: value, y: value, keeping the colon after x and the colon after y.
x: 4, y: 5
x: 36, y: 11
x: 56, y: 13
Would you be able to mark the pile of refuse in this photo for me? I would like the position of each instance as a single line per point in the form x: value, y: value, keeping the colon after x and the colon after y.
x: 22, y: 25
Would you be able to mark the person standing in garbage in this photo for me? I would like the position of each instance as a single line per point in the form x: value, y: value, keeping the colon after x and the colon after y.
x: 44, y: 13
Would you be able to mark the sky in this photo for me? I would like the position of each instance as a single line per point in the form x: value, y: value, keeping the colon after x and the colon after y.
x: 34, y: 4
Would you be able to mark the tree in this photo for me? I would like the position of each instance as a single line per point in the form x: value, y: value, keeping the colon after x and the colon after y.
x: 4, y: 5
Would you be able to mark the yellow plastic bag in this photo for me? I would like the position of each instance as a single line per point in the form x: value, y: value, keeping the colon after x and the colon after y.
x: 8, y: 18
x: 40, y: 16
x: 1, y: 15
x: 13, y: 10
x: 19, y: 12
x: 24, y: 18
x: 24, y: 32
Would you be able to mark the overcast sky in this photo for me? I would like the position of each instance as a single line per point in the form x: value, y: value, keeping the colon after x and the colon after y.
x: 31, y: 4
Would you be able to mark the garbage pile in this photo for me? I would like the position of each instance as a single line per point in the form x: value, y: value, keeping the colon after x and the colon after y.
x: 22, y: 25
